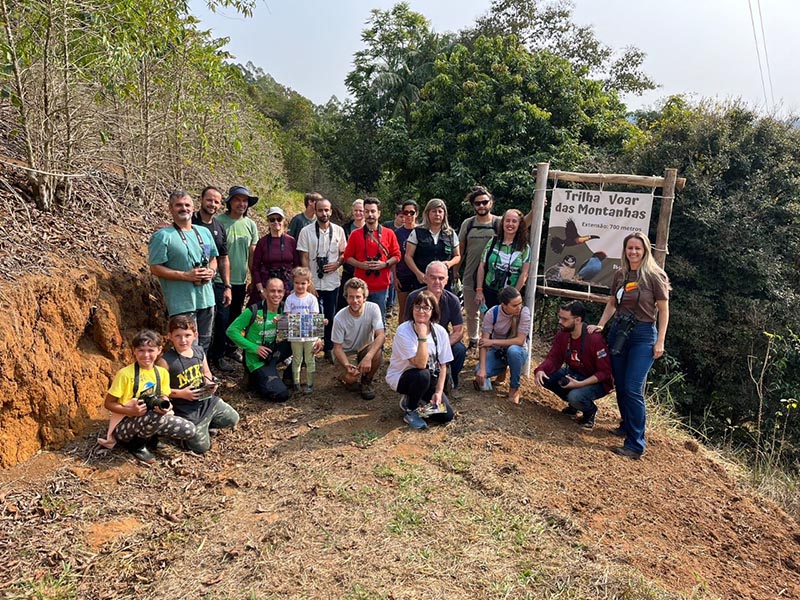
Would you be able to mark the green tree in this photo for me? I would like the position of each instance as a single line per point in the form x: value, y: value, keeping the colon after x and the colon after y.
x: 491, y: 112
x: 734, y: 247
x: 548, y: 25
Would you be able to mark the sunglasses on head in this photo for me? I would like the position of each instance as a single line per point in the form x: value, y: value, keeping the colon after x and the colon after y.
x: 480, y: 203
x: 409, y: 213
x: 275, y: 219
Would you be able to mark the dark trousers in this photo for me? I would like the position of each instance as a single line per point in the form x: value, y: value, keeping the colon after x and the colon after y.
x: 266, y: 381
x: 455, y: 367
x: 220, y: 344
x: 328, y: 301
x: 419, y: 385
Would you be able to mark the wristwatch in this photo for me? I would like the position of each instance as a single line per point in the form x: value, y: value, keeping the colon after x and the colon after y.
x: 228, y: 286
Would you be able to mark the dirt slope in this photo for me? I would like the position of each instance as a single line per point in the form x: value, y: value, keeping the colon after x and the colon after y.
x: 333, y: 497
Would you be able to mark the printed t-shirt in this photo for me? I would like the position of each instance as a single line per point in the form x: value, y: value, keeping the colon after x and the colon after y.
x: 241, y: 233
x: 640, y: 297
x: 505, y: 257
x: 308, y: 305
x: 262, y: 332
x: 122, y: 386
x: 187, y: 371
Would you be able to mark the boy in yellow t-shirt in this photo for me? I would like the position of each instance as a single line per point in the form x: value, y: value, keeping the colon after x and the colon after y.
x: 135, y: 387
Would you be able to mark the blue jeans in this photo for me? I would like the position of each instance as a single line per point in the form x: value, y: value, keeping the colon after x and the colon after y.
x: 514, y: 358
x: 581, y: 398
x: 379, y: 298
x: 630, y: 375
x: 459, y: 356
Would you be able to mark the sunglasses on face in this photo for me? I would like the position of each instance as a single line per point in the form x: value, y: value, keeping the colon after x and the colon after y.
x: 275, y: 219
x: 409, y: 213
x: 481, y: 203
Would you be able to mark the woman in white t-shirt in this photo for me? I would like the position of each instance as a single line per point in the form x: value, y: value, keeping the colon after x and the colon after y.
x: 418, y: 365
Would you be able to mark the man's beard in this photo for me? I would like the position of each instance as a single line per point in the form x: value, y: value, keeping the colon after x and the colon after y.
x: 323, y: 219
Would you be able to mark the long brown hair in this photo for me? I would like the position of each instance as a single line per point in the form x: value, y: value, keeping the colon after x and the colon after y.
x: 521, y: 237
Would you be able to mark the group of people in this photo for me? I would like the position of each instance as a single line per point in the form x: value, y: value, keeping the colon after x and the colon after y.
x: 226, y: 290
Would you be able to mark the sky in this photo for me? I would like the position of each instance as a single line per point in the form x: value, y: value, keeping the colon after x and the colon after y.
x: 701, y: 48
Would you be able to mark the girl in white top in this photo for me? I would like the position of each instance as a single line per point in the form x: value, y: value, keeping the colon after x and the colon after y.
x: 302, y: 302
x: 418, y: 365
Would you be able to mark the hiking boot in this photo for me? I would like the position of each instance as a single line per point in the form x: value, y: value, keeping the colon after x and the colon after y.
x: 141, y: 453
x: 404, y: 403
x: 618, y: 431
x: 569, y: 410
x: 414, y: 420
x: 367, y: 393
x: 224, y: 365
x: 235, y: 355
x: 309, y: 390
x: 587, y: 420
x: 627, y: 453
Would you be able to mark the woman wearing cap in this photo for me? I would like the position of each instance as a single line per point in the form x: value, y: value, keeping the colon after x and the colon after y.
x: 275, y: 256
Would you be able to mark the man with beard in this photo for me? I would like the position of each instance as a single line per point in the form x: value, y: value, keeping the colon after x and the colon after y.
x: 184, y: 258
x: 472, y: 237
x: 373, y: 251
x: 210, y: 201
x: 578, y: 366
x: 449, y: 315
x: 321, y: 246
x: 242, y: 237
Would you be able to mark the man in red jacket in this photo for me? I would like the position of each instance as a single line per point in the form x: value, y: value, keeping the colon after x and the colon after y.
x: 373, y: 251
x: 578, y: 367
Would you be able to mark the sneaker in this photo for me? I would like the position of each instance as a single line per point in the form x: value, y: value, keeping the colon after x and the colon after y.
x: 404, y: 403
x: 627, y: 453
x: 309, y: 390
x: 618, y: 431
x: 414, y: 420
x: 142, y: 454
x: 224, y: 365
x: 569, y: 410
x: 366, y: 391
x: 587, y: 421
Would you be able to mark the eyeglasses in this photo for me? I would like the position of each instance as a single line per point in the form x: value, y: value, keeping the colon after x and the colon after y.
x: 409, y: 213
x: 275, y: 219
x: 481, y: 203
x: 423, y: 308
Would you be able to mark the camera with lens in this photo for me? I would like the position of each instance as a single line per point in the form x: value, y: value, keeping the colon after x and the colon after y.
x: 152, y: 401
x: 321, y: 262
x: 435, y: 371
x: 372, y: 272
x: 625, y: 324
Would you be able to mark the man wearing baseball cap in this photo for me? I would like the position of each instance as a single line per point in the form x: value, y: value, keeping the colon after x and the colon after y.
x: 242, y: 236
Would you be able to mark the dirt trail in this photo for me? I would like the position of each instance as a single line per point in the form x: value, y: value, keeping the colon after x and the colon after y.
x: 333, y: 497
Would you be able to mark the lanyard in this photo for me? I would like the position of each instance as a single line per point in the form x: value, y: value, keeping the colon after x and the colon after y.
x: 377, y: 240
x: 186, y: 242
x: 330, y: 238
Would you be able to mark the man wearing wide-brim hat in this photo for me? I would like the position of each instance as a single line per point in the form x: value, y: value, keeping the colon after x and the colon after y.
x: 242, y: 234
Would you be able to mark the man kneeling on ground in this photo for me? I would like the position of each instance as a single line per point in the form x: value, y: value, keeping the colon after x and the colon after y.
x: 358, y: 334
x: 577, y: 368
x: 193, y: 388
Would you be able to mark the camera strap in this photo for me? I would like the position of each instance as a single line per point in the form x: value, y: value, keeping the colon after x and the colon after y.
x: 330, y: 239
x: 136, y: 372
x: 377, y: 240
x: 435, y: 346
x: 186, y: 242
x: 269, y: 244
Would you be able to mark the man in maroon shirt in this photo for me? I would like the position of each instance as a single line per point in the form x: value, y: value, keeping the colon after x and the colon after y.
x: 578, y: 367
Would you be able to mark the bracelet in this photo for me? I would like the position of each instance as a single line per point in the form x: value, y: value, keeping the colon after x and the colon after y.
x: 478, y: 289
x: 419, y: 339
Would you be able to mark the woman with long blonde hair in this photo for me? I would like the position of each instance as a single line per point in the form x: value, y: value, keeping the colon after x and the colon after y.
x: 639, y: 307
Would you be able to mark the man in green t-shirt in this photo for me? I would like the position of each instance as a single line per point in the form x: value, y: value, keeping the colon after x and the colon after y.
x: 242, y: 236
